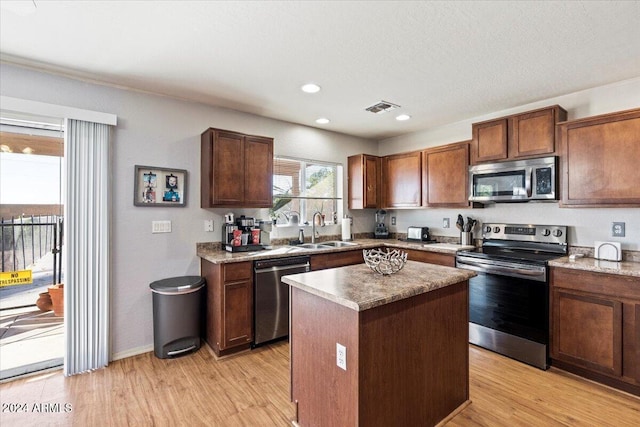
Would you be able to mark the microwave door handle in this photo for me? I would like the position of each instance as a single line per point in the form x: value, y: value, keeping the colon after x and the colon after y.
x: 527, y: 182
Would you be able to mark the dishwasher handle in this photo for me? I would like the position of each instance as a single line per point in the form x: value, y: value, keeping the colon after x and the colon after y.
x: 282, y: 268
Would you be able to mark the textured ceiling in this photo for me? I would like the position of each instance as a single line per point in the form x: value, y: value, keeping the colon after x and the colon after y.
x: 441, y: 61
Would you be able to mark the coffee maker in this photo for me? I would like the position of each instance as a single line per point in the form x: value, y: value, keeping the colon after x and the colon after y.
x: 381, y: 231
x: 245, y: 224
x: 228, y: 229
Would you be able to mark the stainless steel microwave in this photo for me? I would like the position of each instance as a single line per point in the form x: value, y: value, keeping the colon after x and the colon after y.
x: 517, y: 181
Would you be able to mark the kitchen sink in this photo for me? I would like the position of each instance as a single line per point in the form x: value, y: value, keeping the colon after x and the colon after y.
x: 313, y: 246
x: 325, y: 245
x: 338, y: 244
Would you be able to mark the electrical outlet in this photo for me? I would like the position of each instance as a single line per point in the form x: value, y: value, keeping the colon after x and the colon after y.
x: 160, y: 226
x: 445, y: 223
x: 208, y: 225
x: 617, y: 229
x: 341, y: 356
x: 393, y: 220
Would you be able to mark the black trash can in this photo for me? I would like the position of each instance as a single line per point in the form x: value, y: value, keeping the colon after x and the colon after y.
x: 177, y: 315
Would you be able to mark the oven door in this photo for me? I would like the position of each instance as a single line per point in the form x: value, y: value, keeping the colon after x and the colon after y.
x: 509, y: 314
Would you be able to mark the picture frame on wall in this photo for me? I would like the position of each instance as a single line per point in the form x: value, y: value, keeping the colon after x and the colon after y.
x: 159, y: 186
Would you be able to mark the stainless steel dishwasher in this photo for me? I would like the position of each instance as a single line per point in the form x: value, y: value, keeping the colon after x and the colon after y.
x: 271, y: 296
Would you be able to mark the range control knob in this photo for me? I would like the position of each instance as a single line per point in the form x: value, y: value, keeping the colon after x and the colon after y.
x: 546, y: 232
x: 487, y: 229
x: 496, y: 229
x: 557, y: 233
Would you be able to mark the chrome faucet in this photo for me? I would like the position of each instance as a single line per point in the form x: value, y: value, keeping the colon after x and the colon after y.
x: 313, y: 225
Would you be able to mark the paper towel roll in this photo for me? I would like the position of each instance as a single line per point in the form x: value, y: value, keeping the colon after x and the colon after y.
x: 346, y: 229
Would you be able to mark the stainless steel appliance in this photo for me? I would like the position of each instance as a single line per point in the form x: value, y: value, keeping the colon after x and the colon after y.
x: 243, y: 237
x: 265, y: 232
x: 418, y: 234
x: 518, y: 181
x: 271, y: 296
x: 381, y: 231
x: 509, y: 298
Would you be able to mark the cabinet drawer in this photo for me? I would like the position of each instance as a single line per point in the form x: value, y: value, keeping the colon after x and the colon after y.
x: 237, y: 271
x: 599, y: 283
x: 336, y: 259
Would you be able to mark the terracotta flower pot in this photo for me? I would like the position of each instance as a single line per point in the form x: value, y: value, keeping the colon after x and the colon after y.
x: 44, y: 303
x: 57, y: 298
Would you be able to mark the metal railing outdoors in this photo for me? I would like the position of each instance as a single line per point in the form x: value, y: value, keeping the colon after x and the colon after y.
x: 26, y: 239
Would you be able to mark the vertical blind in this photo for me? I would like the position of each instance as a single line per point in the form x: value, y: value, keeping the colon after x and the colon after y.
x: 86, y: 253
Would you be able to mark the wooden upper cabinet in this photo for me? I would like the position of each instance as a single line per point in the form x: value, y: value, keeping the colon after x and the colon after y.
x: 258, y: 171
x: 445, y: 176
x: 402, y: 180
x: 600, y: 160
x: 363, y: 173
x: 529, y: 134
x: 236, y: 169
x: 489, y: 141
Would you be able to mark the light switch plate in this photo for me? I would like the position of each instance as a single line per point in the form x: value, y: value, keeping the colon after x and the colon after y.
x: 208, y: 225
x: 160, y: 226
x: 445, y: 223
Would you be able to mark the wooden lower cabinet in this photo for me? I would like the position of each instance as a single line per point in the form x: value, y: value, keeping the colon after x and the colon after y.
x: 229, y: 325
x: 431, y: 257
x: 336, y: 259
x: 595, y: 326
x: 406, y: 362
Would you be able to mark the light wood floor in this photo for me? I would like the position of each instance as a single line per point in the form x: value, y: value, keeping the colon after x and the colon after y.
x: 252, y: 389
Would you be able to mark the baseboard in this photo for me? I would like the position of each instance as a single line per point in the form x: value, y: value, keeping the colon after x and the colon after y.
x: 132, y: 352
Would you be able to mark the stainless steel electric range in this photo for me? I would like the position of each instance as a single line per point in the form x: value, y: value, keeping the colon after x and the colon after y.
x: 509, y: 298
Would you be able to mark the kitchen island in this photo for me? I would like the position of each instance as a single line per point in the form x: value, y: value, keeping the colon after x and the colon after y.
x: 371, y: 350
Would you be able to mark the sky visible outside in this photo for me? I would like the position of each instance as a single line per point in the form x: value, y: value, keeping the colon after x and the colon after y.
x: 29, y: 179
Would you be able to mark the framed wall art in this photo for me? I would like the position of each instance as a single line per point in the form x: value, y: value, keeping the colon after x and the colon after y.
x: 156, y: 186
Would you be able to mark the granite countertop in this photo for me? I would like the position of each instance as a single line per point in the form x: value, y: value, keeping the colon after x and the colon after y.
x: 623, y: 268
x: 218, y: 256
x: 359, y: 288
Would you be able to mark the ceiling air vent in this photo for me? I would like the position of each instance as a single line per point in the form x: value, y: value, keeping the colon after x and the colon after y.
x: 382, y: 107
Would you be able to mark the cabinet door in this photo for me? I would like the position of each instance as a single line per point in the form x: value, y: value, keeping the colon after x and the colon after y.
x: 489, y: 141
x: 363, y: 173
x: 238, y: 303
x: 336, y: 259
x: 587, y: 331
x: 445, y: 176
x: 600, y: 160
x: 533, y: 134
x: 258, y: 171
x: 402, y: 181
x: 226, y: 168
x: 431, y: 257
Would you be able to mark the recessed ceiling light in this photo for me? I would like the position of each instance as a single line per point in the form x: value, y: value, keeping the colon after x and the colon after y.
x: 403, y: 117
x: 322, y: 121
x: 310, y: 88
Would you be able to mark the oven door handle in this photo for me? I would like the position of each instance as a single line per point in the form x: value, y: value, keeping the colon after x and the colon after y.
x: 493, y: 269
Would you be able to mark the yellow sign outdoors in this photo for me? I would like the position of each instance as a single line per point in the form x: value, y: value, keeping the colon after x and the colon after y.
x: 11, y: 278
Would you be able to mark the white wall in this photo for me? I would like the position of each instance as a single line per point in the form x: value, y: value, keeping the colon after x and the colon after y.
x: 586, y: 224
x: 160, y: 131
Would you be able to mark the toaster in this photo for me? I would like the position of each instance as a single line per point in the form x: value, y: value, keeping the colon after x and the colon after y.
x: 418, y: 234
